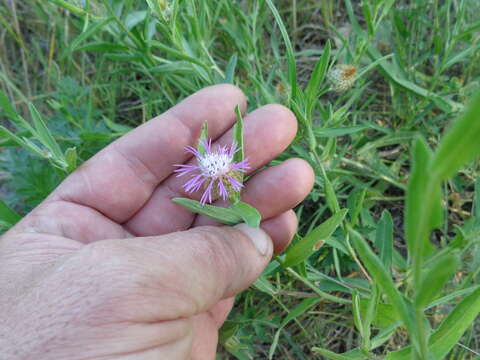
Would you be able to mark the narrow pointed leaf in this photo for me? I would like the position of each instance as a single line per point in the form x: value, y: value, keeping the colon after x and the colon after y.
x: 461, y: 143
x: 306, y: 246
x: 384, y: 239
x: 238, y: 136
x: 435, y: 277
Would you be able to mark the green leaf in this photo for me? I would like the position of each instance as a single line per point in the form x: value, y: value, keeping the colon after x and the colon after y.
x: 177, y: 54
x: 225, y: 216
x: 476, y: 199
x: 330, y: 196
x: 298, y: 310
x: 24, y: 142
x: 234, y: 197
x: 461, y: 144
x: 353, y: 20
x: 435, y: 277
x: 319, y: 73
x: 397, y: 77
x: 102, y: 46
x: 238, y: 136
x: 262, y: 284
x: 134, y: 18
x: 306, y: 246
x: 230, y: 71
x: 12, y: 114
x: 292, y: 68
x: 385, y: 315
x: 455, y: 324
x: 7, y: 107
x: 7, y: 215
x: 357, y: 318
x: 384, y: 335
x: 43, y: 133
x: 72, y: 8
x: 384, y: 239
x: 248, y: 213
x: 71, y: 159
x: 292, y: 314
x: 382, y: 278
x: 447, y: 335
x: 90, y: 31
x: 423, y: 201
x: 355, y: 204
x: 203, y: 139
x: 341, y: 131
x: 234, y: 214
x: 351, y: 355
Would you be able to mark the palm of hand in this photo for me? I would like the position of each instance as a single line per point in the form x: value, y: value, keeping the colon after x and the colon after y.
x: 85, y: 245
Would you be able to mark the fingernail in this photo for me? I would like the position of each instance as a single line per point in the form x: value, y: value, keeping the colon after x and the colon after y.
x: 259, y: 237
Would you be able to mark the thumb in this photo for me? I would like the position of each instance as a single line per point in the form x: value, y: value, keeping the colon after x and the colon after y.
x: 185, y: 273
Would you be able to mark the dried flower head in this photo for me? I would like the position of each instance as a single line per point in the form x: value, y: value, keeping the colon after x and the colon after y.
x: 342, y: 77
x: 215, y: 172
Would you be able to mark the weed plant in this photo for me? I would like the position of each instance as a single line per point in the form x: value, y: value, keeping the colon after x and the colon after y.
x: 385, y: 264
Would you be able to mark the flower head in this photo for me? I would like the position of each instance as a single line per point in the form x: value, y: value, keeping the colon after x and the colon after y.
x: 215, y: 171
x: 342, y: 77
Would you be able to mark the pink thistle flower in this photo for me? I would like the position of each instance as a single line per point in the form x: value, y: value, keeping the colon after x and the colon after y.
x: 215, y: 172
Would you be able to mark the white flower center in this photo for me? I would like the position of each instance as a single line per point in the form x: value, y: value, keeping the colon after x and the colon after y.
x: 214, y: 164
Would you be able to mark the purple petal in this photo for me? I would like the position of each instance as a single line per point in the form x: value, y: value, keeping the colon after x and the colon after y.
x: 207, y: 194
x: 194, y: 183
x: 222, y: 189
x: 237, y: 185
x: 223, y: 150
x: 192, y: 151
x: 207, y: 144
x: 241, y: 166
x: 185, y: 169
x: 233, y: 149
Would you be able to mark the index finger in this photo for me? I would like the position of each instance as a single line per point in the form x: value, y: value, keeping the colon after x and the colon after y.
x: 120, y: 178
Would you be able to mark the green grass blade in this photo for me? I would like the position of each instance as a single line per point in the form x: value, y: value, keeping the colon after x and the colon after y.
x: 351, y: 355
x: 43, y: 133
x: 230, y: 70
x: 292, y: 68
x: 319, y: 73
x: 89, y: 32
x: 423, y: 202
x: 238, y: 136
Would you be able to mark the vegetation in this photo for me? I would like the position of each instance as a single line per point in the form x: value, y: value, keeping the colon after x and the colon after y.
x: 386, y: 260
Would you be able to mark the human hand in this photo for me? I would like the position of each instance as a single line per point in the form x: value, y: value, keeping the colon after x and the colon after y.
x: 109, y: 267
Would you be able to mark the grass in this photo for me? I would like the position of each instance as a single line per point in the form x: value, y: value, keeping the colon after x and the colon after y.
x: 94, y: 69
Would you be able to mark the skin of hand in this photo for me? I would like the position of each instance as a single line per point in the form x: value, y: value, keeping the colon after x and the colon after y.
x: 107, y: 267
